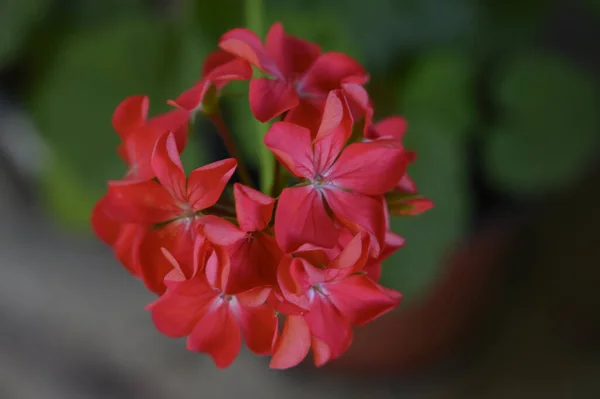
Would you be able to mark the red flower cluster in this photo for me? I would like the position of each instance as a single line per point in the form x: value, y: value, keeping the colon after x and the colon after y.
x: 289, y: 272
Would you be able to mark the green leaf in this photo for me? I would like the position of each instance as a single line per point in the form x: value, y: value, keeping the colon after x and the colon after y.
x: 94, y: 71
x: 437, y: 100
x: 440, y: 91
x: 549, y: 125
x: 17, y: 19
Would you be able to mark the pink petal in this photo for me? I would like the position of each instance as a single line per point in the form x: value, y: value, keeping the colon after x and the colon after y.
x: 130, y: 114
x: 307, y: 113
x: 328, y: 149
x: 248, y: 46
x: 168, y: 168
x: 105, y: 228
x: 175, y: 121
x: 407, y: 185
x: 221, y: 67
x: 328, y: 71
x: 139, y: 202
x: 177, y: 312
x: 359, y: 212
x: 253, y: 208
x: 335, y: 113
x: 393, y: 127
x: 270, y: 98
x: 254, y: 262
x: 411, y: 207
x: 353, y: 257
x: 293, y: 55
x: 176, y: 237
x: 321, y: 352
x: 254, y: 297
x: 358, y: 98
x: 191, y: 99
x: 293, y: 344
x: 327, y: 324
x: 371, y: 168
x: 360, y: 300
x: 138, y: 148
x: 217, y: 334
x: 301, y: 218
x: 220, y: 231
x: 292, y: 146
x: 259, y: 326
x: 127, y: 247
x: 293, y: 281
x: 218, y: 267
x: 206, y: 184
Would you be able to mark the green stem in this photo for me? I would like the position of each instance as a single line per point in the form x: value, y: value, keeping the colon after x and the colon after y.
x: 254, y: 11
x: 231, y: 147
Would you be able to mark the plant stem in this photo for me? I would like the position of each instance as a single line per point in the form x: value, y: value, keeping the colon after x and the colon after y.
x: 275, y: 188
x: 254, y: 14
x: 233, y: 151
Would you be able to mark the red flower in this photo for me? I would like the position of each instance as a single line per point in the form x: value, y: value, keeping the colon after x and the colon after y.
x: 337, y: 295
x: 300, y: 76
x: 173, y: 200
x: 213, y: 320
x: 349, y: 181
x: 219, y: 69
x: 253, y: 252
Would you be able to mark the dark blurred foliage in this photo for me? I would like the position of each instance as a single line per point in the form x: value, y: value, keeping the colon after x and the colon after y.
x: 498, y: 111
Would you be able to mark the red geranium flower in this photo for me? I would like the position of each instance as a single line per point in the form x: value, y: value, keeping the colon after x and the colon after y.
x: 300, y: 76
x: 348, y: 181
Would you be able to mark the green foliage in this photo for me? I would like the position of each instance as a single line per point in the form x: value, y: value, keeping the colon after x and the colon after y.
x: 17, y: 19
x: 548, y: 125
x: 94, y: 71
x: 437, y: 100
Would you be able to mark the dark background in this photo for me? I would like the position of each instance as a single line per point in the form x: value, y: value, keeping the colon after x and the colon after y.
x: 503, y: 107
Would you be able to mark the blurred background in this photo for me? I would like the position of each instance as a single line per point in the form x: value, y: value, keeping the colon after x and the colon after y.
x: 500, y: 278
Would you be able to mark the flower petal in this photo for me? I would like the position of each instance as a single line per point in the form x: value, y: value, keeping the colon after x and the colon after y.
x: 326, y: 323
x: 168, y: 168
x: 259, y: 326
x: 139, y: 202
x: 105, y: 228
x: 221, y: 67
x: 360, y: 300
x: 127, y: 247
x: 191, y: 99
x: 206, y: 184
x: 321, y: 352
x: 220, y: 231
x: 175, y: 121
x: 352, y: 258
x: 393, y: 127
x: 177, y: 312
x: 371, y: 168
x: 247, y: 45
x: 292, y: 345
x: 138, y: 148
x: 292, y: 55
x: 130, y: 114
x: 254, y: 263
x: 292, y: 146
x: 217, y: 334
x: 301, y: 218
x: 270, y: 98
x: 254, y: 209
x: 328, y: 71
x: 359, y: 212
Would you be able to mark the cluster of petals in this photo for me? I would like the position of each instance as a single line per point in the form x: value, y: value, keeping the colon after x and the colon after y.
x: 287, y: 273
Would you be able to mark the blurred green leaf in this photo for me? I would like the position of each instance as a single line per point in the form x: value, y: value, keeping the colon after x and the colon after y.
x: 17, y: 19
x: 437, y: 100
x: 440, y: 92
x: 549, y: 124
x: 94, y: 71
